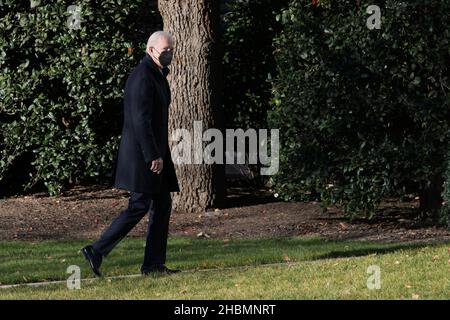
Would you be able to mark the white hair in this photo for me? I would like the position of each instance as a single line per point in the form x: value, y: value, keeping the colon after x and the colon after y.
x: 153, y: 39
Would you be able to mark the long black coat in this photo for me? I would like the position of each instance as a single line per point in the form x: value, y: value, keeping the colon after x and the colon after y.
x: 145, y: 131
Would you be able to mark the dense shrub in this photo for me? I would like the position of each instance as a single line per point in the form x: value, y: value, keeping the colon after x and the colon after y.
x: 364, y: 114
x: 61, y: 88
x: 445, y: 213
x: 248, y: 61
x: 248, y: 65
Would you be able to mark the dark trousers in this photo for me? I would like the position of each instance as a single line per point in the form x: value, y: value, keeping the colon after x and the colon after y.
x: 159, y: 207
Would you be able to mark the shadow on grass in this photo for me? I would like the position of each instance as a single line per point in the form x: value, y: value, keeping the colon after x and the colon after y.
x: 22, y: 261
x: 369, y: 251
x: 200, y: 254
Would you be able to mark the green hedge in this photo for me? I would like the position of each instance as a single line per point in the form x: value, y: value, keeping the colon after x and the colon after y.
x: 364, y: 114
x: 445, y: 211
x: 61, y: 88
x: 248, y: 61
x: 249, y: 64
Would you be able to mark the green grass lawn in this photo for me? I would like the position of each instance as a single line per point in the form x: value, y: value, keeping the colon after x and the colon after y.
x: 215, y: 269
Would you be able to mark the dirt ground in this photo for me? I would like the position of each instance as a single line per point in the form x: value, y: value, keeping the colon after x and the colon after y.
x: 84, y: 212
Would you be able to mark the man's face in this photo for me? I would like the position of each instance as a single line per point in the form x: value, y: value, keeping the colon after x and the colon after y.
x: 160, y: 52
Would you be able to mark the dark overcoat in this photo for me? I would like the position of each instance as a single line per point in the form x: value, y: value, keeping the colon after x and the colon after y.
x: 145, y: 131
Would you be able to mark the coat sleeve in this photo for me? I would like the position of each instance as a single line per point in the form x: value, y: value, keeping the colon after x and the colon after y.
x: 141, y: 107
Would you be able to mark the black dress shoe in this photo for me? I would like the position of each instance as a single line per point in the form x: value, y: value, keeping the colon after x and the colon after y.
x: 94, y: 259
x: 157, y: 268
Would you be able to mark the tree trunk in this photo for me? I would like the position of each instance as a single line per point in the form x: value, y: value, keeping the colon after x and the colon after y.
x: 195, y: 82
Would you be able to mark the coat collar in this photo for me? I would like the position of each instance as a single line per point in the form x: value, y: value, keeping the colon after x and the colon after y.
x: 149, y: 61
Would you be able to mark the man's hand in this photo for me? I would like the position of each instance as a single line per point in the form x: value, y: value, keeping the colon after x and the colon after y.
x: 157, y: 165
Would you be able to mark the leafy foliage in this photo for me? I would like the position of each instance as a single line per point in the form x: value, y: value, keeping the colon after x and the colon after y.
x: 61, y: 88
x: 364, y: 114
x: 249, y: 65
x: 445, y: 210
x: 248, y: 61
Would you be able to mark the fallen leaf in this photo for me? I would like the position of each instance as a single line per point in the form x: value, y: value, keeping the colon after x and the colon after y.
x: 343, y: 225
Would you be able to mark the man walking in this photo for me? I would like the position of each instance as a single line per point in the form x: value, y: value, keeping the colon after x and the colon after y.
x: 144, y: 164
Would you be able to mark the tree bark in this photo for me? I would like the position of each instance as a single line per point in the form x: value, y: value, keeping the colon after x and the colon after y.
x: 195, y: 82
